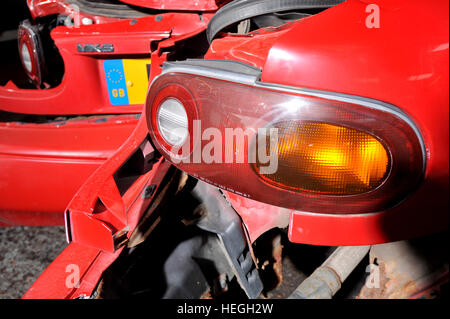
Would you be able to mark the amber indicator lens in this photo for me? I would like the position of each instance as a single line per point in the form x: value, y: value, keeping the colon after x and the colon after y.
x: 327, y: 159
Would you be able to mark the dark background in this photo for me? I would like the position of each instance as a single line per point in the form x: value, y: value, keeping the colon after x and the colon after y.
x: 11, y: 13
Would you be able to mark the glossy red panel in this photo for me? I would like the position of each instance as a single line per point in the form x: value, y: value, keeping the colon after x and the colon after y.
x: 43, y: 165
x: 402, y: 63
x: 84, y: 82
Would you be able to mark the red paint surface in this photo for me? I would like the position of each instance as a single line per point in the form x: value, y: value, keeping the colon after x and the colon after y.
x: 42, y: 8
x: 84, y: 83
x: 93, y: 252
x: 402, y: 63
x: 43, y: 165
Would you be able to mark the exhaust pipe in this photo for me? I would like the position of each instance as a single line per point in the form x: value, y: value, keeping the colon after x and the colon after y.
x: 326, y: 280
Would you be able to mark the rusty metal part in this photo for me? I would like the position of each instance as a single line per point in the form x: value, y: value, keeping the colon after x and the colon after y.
x: 407, y: 269
x: 269, y: 260
x: 249, y: 242
x: 198, y: 213
x: 120, y: 238
x: 223, y: 220
x: 206, y: 295
x: 277, y: 251
x: 326, y: 280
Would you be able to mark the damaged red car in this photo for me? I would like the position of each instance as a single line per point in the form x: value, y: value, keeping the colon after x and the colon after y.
x: 215, y: 149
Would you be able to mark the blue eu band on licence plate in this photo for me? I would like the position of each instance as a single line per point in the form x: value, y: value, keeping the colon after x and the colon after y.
x: 115, y: 81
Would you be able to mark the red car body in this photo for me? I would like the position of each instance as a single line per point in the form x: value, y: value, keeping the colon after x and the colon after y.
x: 37, y: 159
x: 401, y: 63
x: 337, y: 53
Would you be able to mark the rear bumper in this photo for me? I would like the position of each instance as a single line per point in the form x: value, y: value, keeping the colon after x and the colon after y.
x: 43, y: 165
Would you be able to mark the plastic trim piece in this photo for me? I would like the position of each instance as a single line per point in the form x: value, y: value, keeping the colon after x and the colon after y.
x: 223, y: 220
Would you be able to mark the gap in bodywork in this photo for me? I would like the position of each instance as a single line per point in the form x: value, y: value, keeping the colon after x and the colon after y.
x: 139, y: 163
x: 21, y: 118
x: 104, y: 215
x: 190, y: 48
x: 175, y: 260
x: 10, y: 65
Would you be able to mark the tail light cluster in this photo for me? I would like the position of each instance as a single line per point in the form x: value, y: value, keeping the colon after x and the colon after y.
x: 307, y: 150
x: 31, y: 52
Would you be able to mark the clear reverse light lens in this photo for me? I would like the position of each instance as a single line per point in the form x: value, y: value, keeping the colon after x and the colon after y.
x: 172, y: 122
x: 26, y: 58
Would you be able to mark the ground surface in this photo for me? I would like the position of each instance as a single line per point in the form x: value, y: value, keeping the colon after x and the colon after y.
x: 24, y: 253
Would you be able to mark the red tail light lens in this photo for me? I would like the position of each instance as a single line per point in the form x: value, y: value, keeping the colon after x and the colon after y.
x: 331, y: 153
x: 30, y: 51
